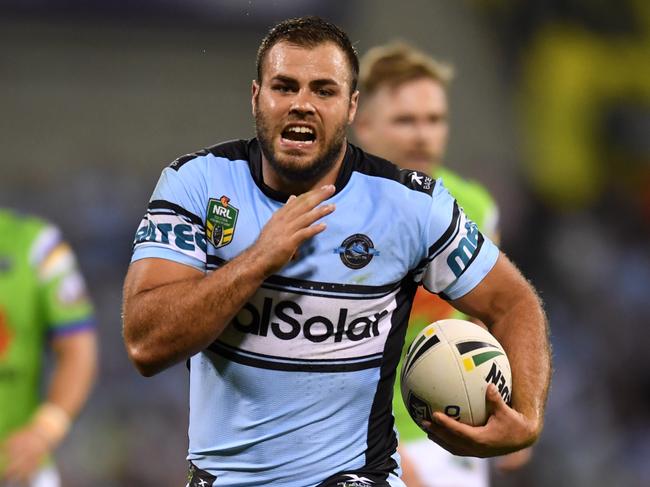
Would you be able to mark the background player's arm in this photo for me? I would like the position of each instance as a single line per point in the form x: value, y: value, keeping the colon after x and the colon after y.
x: 172, y: 311
x: 72, y: 378
x: 409, y: 473
x: 75, y: 368
x: 509, y: 306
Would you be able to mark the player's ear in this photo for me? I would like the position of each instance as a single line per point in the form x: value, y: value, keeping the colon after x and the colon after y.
x: 352, y: 109
x: 360, y: 127
x: 255, y: 91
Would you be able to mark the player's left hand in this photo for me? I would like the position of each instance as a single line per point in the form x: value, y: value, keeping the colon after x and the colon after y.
x: 24, y: 451
x: 506, y: 430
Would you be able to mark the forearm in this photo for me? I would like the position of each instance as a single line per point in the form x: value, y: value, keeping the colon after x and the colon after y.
x: 522, y: 330
x: 511, y: 310
x: 74, y: 374
x: 172, y: 322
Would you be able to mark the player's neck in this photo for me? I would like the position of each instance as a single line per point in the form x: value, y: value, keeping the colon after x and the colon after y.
x: 276, y: 182
x: 434, y: 168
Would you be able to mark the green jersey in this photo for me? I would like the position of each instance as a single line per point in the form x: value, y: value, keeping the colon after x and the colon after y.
x: 427, y: 308
x: 42, y: 294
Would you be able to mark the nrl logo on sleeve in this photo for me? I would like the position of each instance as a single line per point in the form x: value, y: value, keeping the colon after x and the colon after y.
x: 221, y: 218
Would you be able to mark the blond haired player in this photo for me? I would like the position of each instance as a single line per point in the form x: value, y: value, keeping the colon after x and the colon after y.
x: 403, y: 117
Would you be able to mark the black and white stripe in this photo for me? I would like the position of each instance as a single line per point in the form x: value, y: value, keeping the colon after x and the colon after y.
x: 442, y: 243
x: 264, y: 361
x: 315, y: 288
x: 382, y: 441
x: 162, y: 207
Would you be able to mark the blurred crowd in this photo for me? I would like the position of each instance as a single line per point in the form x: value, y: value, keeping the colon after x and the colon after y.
x: 583, y: 82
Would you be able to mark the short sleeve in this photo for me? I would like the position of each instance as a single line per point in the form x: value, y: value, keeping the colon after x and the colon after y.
x: 64, y: 299
x: 173, y: 226
x: 459, y: 256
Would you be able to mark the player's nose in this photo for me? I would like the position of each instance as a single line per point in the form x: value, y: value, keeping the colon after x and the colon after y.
x: 422, y: 132
x: 302, y: 104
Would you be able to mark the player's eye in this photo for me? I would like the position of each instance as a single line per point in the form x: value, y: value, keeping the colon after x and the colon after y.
x: 281, y: 88
x: 435, y: 119
x: 403, y: 121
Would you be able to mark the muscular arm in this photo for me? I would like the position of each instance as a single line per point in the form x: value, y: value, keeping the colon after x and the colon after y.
x: 509, y: 306
x: 513, y: 313
x: 172, y: 311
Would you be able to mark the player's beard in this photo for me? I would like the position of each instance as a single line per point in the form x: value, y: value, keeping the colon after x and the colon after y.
x: 287, y: 169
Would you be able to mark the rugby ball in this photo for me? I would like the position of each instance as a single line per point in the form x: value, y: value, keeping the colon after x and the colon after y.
x: 448, y: 368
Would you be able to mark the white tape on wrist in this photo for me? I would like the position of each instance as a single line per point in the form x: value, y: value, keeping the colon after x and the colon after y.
x: 52, y: 421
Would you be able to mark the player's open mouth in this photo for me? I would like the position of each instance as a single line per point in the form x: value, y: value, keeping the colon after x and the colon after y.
x: 298, y: 135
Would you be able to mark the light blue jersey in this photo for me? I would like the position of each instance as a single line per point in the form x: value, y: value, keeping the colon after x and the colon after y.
x: 297, y: 390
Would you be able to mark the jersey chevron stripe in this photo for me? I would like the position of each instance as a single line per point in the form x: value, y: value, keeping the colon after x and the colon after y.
x: 448, y: 236
x: 444, y: 241
x: 167, y: 205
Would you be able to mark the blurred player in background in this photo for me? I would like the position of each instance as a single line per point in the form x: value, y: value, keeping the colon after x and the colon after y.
x: 403, y: 117
x: 43, y: 304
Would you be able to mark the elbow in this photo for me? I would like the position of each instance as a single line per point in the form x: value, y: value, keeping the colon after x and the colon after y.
x: 143, y: 361
x: 534, y: 431
x: 147, y: 371
x: 140, y: 353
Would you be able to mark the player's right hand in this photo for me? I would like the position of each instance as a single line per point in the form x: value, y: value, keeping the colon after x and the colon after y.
x: 290, y: 226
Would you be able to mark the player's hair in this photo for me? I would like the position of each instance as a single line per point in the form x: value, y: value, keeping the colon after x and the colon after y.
x: 398, y: 62
x: 309, y: 32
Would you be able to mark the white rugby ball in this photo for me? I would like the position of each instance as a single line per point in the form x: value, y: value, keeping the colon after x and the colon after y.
x: 448, y: 368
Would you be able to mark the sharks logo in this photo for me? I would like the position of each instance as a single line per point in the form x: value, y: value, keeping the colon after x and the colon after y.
x: 356, y: 251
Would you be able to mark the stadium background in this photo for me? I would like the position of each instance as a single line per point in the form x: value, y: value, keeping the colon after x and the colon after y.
x: 550, y: 109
